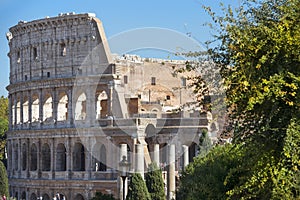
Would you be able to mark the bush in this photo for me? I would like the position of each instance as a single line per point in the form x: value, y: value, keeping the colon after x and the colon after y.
x: 137, y: 189
x: 155, y: 183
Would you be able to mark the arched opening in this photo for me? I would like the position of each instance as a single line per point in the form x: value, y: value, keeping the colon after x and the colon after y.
x: 47, y: 107
x: 23, y: 195
x: 45, y: 197
x: 46, y: 158
x: 101, y: 105
x: 80, y: 107
x: 16, y: 157
x: 33, y: 196
x: 99, y: 158
x: 35, y: 108
x: 163, y: 155
x: 24, y: 156
x: 78, y: 157
x: 33, y: 156
x: 79, y: 197
x: 25, y: 109
x: 62, y: 108
x: 192, y: 151
x: 61, y: 159
x: 59, y: 196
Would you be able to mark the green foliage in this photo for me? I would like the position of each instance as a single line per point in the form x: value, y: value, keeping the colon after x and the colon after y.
x: 155, y: 183
x: 101, y: 196
x: 137, y: 189
x: 3, y: 124
x: 259, y: 59
x: 205, y: 177
x: 3, y: 180
x: 204, y: 143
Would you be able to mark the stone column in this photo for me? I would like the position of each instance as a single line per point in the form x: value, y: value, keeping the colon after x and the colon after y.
x: 69, y: 156
x: 171, y: 184
x: 88, y: 166
x: 110, y: 100
x: 19, y: 157
x: 9, y: 158
x: 185, y: 150
x: 70, y: 106
x: 53, y: 158
x: 90, y: 106
x: 15, y: 112
x: 28, y: 157
x: 156, y: 154
x: 54, y: 105
x: 21, y: 109
x: 41, y: 107
x: 29, y: 108
x: 140, y: 159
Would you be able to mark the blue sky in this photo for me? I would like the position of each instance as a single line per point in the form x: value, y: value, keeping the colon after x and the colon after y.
x: 117, y: 17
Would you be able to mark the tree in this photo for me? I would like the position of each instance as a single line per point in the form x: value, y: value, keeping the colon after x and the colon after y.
x: 137, y: 189
x: 3, y: 125
x: 3, y: 180
x: 155, y: 182
x: 101, y: 196
x: 259, y: 59
x: 204, y: 143
x: 205, y: 177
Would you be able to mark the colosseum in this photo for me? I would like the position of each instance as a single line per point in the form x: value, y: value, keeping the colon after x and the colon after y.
x: 77, y: 112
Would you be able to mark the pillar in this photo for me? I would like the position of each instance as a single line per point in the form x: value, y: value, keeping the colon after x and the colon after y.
x: 54, y: 105
x: 70, y: 101
x: 156, y: 154
x: 53, y: 158
x: 140, y: 159
x: 185, y: 150
x: 171, y: 184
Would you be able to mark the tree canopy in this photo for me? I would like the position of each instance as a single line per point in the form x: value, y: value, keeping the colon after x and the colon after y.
x: 3, y: 181
x: 137, y: 189
x: 3, y: 124
x: 155, y: 182
x: 257, y: 52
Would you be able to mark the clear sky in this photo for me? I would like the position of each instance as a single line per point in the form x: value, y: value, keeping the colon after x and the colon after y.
x: 117, y: 16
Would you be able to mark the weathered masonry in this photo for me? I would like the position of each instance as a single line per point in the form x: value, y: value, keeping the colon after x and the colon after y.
x: 75, y: 111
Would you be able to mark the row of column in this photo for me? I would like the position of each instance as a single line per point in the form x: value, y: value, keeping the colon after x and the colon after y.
x: 139, y: 165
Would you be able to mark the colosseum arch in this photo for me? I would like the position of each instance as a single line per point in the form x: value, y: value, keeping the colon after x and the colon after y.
x: 61, y: 159
x: 47, y: 107
x: 45, y: 197
x: 79, y: 197
x: 33, y: 158
x: 80, y: 107
x: 101, y: 104
x: 18, y: 115
x: 33, y: 196
x: 16, y: 156
x: 78, y: 157
x: 24, y: 156
x: 35, y: 108
x: 23, y: 195
x: 62, y: 107
x: 25, y: 109
x: 99, y: 158
x: 46, y: 157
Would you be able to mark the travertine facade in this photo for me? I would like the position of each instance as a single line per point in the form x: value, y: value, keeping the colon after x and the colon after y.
x: 75, y: 111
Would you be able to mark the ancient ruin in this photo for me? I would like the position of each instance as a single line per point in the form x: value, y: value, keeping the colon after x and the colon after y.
x: 76, y: 110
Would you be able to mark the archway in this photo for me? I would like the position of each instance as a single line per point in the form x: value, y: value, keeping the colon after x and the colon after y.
x: 46, y: 158
x: 61, y: 159
x: 79, y: 157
